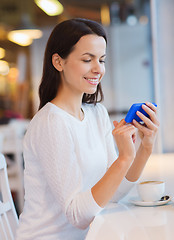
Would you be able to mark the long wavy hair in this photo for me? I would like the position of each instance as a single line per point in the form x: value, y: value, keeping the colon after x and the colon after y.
x: 62, y: 40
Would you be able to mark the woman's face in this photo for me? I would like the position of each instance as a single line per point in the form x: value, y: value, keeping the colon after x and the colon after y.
x: 84, y: 68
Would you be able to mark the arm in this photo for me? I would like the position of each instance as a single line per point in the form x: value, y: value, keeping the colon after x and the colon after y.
x: 124, y: 136
x: 147, y: 133
x: 104, y: 190
x: 138, y: 165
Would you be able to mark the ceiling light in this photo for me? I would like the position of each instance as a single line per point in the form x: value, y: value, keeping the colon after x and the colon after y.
x: 2, y: 52
x: 21, y: 39
x: 50, y: 7
x: 25, y: 33
x: 4, y: 67
x: 24, y: 37
x: 105, y: 15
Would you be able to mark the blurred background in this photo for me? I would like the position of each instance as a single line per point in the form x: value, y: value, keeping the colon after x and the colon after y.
x: 139, y: 66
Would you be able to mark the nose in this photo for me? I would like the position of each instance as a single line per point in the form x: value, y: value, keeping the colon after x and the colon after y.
x: 98, y: 67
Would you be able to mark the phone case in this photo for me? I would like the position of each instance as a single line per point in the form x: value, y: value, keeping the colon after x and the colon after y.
x: 132, y: 112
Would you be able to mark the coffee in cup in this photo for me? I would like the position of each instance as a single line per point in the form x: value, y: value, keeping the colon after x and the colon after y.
x: 150, y: 191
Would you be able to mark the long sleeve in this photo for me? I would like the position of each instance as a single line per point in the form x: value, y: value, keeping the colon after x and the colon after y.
x: 64, y: 158
x: 125, y: 185
x: 54, y: 146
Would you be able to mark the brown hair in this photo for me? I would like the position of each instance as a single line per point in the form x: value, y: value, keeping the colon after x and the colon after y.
x: 62, y: 40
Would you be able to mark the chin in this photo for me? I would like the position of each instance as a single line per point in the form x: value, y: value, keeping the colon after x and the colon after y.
x: 91, y: 91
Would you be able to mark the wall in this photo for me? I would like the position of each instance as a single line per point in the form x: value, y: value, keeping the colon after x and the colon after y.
x: 164, y: 50
x: 130, y: 66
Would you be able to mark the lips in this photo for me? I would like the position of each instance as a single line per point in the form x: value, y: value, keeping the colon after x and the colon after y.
x: 93, y: 81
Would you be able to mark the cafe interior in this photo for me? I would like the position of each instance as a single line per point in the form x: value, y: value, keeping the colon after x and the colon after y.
x: 139, y: 68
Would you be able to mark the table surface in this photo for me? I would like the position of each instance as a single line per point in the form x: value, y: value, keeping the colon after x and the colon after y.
x: 125, y: 221
x: 129, y: 222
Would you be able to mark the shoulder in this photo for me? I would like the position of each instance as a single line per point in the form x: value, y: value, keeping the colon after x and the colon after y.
x: 48, y: 117
x: 49, y: 111
x: 48, y: 126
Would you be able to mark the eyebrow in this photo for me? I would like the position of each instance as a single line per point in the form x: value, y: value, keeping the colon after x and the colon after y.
x: 92, y: 55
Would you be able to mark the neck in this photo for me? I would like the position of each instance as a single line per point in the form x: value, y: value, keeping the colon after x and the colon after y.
x: 70, y: 100
x: 71, y: 106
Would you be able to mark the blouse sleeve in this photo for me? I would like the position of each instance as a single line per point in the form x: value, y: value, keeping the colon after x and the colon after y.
x: 54, y: 147
x: 125, y: 185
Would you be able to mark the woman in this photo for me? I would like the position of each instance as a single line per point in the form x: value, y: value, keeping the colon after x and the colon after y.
x: 71, y: 168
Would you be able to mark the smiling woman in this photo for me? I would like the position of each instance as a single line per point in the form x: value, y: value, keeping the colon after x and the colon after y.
x: 63, y: 40
x: 82, y: 70
x: 71, y: 167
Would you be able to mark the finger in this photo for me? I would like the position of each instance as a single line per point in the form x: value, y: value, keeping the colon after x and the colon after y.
x: 152, y: 106
x: 145, y: 129
x: 131, y: 131
x: 151, y: 113
x: 141, y: 128
x: 126, y: 129
x: 115, y: 123
x: 145, y: 119
x: 150, y: 122
x: 121, y: 123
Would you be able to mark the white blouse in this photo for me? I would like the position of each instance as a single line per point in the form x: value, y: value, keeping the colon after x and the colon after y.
x: 64, y: 158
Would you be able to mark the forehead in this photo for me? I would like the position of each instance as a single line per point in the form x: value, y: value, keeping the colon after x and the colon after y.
x: 90, y: 44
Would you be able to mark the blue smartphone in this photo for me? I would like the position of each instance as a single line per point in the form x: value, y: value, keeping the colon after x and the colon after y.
x: 132, y: 112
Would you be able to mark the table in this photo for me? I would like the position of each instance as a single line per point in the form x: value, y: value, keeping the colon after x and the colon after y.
x: 129, y: 222
x: 125, y: 221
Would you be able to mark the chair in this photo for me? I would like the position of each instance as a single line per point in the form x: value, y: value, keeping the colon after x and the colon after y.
x: 8, y: 215
x: 11, y: 145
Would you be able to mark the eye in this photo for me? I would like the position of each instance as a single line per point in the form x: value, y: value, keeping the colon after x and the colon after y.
x: 102, y: 61
x: 86, y: 60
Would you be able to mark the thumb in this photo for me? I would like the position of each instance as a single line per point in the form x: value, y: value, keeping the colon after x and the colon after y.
x: 115, y: 123
x: 121, y: 123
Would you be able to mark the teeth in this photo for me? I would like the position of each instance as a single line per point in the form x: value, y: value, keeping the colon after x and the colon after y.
x: 92, y: 79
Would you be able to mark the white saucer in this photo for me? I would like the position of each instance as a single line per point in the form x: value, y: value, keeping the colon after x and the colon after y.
x: 138, y: 202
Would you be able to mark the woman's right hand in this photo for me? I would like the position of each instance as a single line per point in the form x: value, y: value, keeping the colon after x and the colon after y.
x: 124, y: 135
x: 106, y: 187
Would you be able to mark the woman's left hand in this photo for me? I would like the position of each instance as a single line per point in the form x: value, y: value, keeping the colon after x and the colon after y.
x: 149, y: 129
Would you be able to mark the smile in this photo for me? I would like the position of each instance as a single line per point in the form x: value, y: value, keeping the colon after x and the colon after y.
x: 93, y: 81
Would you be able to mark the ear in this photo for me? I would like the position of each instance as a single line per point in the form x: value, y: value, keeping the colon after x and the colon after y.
x: 57, y: 62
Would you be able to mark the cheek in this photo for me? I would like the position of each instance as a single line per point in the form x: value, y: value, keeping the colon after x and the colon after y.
x: 83, y: 69
x: 103, y: 70
x: 78, y: 68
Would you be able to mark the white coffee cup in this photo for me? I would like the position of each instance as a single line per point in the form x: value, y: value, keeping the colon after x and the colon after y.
x: 150, y: 191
